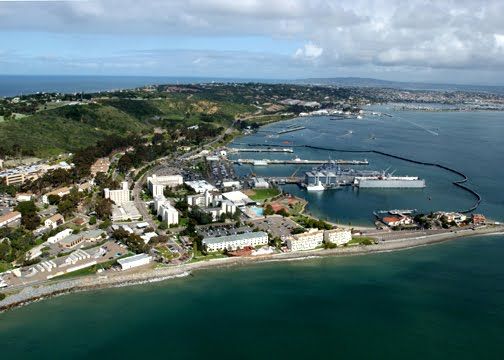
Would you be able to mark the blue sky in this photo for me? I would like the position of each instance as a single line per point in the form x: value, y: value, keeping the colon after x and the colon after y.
x: 418, y: 40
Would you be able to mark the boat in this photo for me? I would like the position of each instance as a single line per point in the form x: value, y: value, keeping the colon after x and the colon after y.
x: 317, y: 187
x: 260, y: 162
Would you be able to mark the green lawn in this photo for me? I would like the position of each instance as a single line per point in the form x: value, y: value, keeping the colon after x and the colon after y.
x: 263, y: 194
x: 361, y: 240
x: 4, y: 266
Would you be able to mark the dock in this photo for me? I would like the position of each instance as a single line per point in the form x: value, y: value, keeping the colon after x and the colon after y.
x: 260, y: 150
x: 299, y: 162
x: 292, y: 129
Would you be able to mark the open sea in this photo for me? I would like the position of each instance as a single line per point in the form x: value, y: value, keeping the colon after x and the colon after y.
x: 444, y: 301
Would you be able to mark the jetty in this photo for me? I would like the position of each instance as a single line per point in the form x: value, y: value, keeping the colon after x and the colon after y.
x: 261, y: 150
x: 297, y: 161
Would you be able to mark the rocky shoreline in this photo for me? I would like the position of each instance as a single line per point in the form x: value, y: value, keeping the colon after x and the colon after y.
x: 53, y: 288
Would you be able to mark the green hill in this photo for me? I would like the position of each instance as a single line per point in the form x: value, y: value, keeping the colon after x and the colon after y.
x: 67, y: 128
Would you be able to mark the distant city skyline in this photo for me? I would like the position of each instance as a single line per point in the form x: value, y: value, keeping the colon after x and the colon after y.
x: 460, y: 42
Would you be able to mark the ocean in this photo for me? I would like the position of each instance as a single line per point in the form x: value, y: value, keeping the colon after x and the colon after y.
x: 436, y: 302
x: 14, y: 85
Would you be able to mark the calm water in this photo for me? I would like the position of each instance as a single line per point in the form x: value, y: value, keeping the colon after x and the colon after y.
x: 470, y: 142
x: 439, y: 302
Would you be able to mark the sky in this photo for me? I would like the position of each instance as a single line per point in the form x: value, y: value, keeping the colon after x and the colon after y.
x: 416, y: 40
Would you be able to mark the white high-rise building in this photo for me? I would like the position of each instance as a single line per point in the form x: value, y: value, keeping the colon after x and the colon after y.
x: 337, y: 236
x: 306, y: 241
x: 119, y: 196
x: 157, y: 184
x: 164, y: 209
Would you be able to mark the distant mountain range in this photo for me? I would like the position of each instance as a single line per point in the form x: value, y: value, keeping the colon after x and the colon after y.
x: 370, y: 82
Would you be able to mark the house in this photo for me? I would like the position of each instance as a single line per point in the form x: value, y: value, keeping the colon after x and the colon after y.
x: 478, y: 219
x: 58, y: 192
x: 24, y: 197
x: 54, y: 221
x: 9, y: 218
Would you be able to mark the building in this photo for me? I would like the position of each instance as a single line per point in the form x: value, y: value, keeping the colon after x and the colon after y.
x: 200, y: 186
x: 233, y: 242
x: 134, y: 261
x: 454, y: 217
x: 54, y: 221
x: 478, y: 219
x: 238, y: 198
x: 157, y: 184
x: 260, y: 183
x: 203, y: 200
x: 59, y: 236
x: 76, y: 239
x: 100, y: 165
x: 397, y: 220
x: 306, y: 241
x: 119, y: 196
x: 127, y: 211
x: 24, y: 197
x: 165, y: 210
x: 337, y: 236
x: 58, y: 192
x: 231, y: 185
x: 9, y: 218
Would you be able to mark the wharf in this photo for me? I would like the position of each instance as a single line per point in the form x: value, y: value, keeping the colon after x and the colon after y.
x: 272, y: 150
x: 300, y: 162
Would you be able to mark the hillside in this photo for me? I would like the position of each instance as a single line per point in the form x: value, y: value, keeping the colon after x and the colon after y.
x: 67, y: 128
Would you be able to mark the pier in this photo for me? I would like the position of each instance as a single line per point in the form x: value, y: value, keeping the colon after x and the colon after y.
x: 261, y: 150
x: 265, y: 162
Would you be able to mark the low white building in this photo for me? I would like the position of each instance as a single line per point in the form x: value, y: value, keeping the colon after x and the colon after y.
x: 260, y: 183
x: 54, y: 221
x: 238, y: 198
x: 134, y: 261
x: 233, y: 242
x: 59, y: 236
x: 119, y: 196
x: 337, y: 236
x: 306, y: 241
x: 127, y: 211
x: 200, y: 186
x: 24, y: 197
x: 157, y: 184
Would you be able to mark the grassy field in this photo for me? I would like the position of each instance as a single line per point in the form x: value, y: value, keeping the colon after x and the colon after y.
x: 361, y: 240
x: 262, y: 194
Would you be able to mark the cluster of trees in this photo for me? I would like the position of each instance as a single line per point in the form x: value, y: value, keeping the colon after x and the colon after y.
x: 84, y: 158
x: 29, y: 218
x: 268, y: 210
x: 53, y: 178
x: 134, y: 242
x: 14, y: 243
x: 7, y: 189
x: 308, y: 222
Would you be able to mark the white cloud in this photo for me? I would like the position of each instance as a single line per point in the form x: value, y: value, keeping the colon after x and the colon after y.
x: 310, y: 51
x: 371, y: 35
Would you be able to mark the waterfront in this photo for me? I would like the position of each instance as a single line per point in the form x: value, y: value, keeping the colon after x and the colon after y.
x: 470, y: 142
x: 441, y: 301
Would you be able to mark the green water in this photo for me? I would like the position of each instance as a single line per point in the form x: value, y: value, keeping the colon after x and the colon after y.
x: 439, y: 302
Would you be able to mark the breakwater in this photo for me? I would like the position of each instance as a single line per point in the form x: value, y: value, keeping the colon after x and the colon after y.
x: 459, y: 183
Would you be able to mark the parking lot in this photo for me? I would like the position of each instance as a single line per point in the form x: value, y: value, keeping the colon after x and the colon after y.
x: 222, y: 230
x: 276, y: 225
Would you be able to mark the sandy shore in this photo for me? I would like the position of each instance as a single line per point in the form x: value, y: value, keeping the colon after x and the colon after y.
x: 54, y: 287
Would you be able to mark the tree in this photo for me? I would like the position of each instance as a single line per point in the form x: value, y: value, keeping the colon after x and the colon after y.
x: 268, y: 210
x: 103, y: 208
x: 53, y: 199
x: 92, y: 220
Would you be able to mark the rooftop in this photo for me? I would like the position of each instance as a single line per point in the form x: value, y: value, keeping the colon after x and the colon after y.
x: 133, y: 258
x: 250, y: 235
